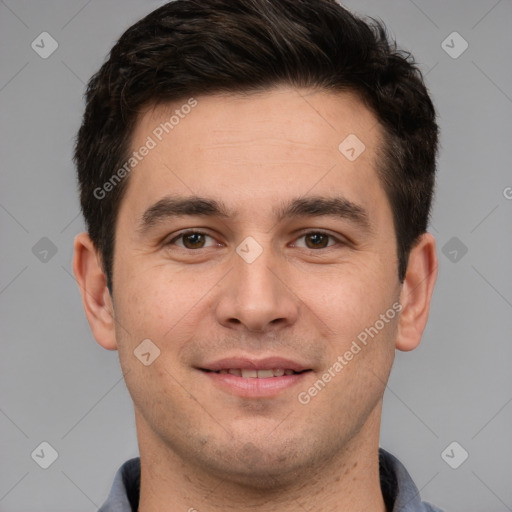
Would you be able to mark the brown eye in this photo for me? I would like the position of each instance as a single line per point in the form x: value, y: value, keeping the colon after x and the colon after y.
x: 316, y: 240
x: 193, y: 240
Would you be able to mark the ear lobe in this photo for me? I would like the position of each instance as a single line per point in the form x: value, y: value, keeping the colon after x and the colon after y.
x: 416, y: 293
x: 96, y: 298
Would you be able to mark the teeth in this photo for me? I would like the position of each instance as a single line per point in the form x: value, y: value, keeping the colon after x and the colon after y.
x: 257, y: 374
x: 265, y: 374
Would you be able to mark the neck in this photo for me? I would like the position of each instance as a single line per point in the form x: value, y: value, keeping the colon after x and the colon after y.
x: 348, y: 481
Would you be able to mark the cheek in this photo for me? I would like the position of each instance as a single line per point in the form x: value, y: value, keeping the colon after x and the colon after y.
x: 358, y: 360
x: 157, y: 303
x: 350, y: 298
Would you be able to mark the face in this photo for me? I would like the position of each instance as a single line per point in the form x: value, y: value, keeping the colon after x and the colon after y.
x: 260, y: 260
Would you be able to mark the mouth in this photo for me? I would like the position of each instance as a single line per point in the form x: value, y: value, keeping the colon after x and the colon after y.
x: 251, y: 378
x: 251, y: 373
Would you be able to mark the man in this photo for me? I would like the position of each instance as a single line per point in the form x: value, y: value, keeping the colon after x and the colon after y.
x: 256, y: 178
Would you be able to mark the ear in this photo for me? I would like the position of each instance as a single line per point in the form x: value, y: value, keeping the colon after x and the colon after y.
x: 416, y: 292
x: 98, y: 306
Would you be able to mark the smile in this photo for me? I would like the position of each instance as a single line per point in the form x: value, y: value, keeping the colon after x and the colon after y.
x: 251, y: 373
x: 252, y: 378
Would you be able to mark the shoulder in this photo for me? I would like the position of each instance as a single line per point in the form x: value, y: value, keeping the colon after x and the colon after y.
x: 399, y: 491
x: 124, y: 494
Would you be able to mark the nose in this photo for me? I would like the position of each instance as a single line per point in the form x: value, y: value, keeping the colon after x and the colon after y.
x: 256, y: 297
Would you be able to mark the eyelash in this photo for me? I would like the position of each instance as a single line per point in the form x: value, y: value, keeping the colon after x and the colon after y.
x: 313, y: 232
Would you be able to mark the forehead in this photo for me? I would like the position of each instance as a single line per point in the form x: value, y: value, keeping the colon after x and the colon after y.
x: 252, y: 150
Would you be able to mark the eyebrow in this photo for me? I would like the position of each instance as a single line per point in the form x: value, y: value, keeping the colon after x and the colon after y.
x: 339, y: 207
x: 169, y: 207
x: 315, y: 206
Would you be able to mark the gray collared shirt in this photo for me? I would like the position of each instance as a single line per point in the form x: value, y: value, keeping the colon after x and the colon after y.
x: 400, y: 493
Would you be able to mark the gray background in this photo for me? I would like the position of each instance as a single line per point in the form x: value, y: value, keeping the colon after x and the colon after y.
x: 59, y: 386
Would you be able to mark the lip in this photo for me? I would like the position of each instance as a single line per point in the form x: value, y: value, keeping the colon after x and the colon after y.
x: 254, y: 387
x: 267, y: 363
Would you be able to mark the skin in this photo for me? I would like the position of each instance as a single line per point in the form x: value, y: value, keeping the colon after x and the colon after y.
x: 202, y: 447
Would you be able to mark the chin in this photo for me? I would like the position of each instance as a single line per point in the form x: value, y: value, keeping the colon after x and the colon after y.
x: 261, y: 466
